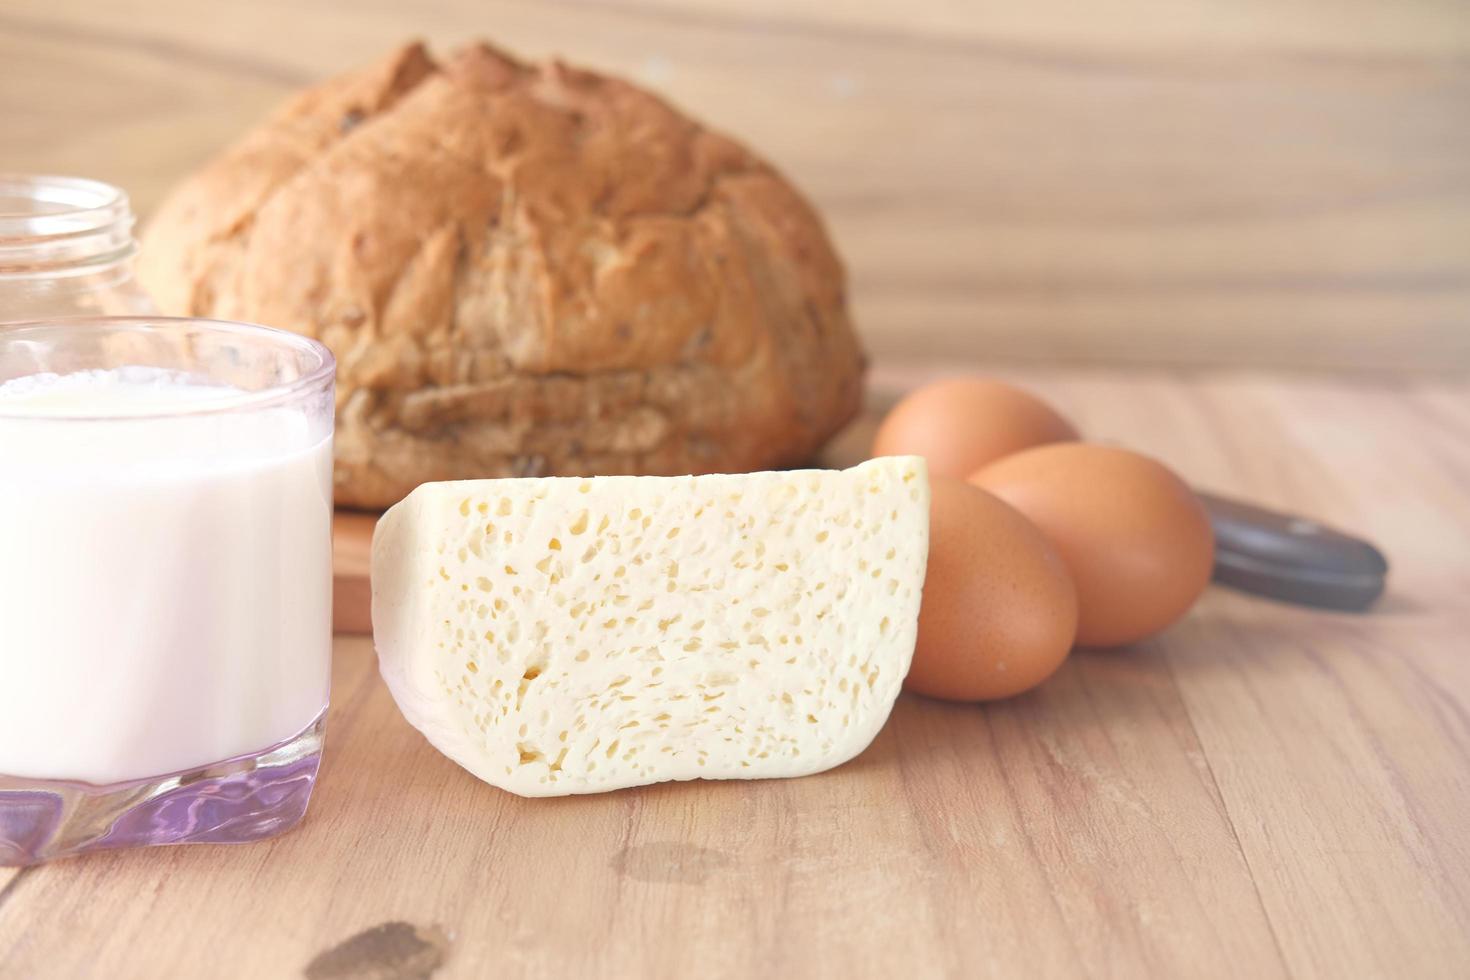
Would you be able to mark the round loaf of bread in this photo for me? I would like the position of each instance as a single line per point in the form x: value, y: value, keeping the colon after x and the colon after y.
x: 523, y: 271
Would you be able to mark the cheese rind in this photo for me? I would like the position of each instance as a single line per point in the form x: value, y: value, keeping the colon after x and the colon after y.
x: 570, y: 635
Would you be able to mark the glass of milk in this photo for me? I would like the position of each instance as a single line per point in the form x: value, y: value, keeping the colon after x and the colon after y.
x: 165, y: 581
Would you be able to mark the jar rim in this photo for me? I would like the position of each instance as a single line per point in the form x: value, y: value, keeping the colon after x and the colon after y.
x: 52, y: 224
x: 66, y: 195
x: 320, y: 373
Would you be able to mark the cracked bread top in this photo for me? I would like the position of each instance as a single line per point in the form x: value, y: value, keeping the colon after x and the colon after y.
x: 523, y: 270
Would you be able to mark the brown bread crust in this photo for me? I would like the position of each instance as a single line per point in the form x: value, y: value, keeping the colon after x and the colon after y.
x: 523, y: 270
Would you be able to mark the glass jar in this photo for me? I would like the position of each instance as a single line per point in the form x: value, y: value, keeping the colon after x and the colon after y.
x: 66, y: 249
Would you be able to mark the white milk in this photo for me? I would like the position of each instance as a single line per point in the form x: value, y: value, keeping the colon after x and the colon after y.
x: 165, y: 582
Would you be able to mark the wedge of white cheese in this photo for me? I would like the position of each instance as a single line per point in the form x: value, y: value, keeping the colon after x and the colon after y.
x: 573, y: 635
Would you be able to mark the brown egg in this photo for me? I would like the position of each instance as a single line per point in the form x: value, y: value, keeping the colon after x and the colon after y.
x: 961, y: 424
x: 999, y: 609
x: 1137, y: 540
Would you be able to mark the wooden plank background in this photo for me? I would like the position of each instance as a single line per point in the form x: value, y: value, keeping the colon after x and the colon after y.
x: 1125, y: 181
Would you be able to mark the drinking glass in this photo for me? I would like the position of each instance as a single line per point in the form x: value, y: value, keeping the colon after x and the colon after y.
x: 165, y: 581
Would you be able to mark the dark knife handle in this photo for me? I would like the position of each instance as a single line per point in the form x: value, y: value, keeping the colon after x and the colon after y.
x: 1292, y: 558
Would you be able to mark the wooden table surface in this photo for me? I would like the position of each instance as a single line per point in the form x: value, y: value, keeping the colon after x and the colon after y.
x: 1262, y: 791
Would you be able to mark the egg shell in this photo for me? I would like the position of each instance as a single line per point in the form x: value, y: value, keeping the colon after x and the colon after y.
x: 999, y: 610
x: 1136, y: 538
x: 960, y: 424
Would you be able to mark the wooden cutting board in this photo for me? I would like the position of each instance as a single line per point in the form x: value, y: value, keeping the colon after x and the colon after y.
x: 352, y: 552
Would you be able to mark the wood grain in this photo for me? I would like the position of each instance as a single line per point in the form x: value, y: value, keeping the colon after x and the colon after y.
x: 352, y: 555
x: 1262, y: 791
x: 1134, y: 181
